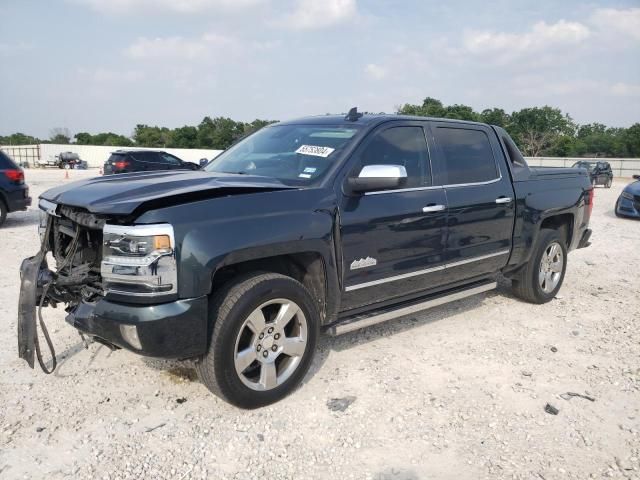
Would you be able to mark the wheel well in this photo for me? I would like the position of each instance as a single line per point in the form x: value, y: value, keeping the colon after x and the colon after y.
x: 307, y: 267
x: 563, y: 223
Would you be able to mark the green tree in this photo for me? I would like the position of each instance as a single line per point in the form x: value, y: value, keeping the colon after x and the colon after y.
x: 19, y: 139
x: 461, y: 112
x: 495, y: 116
x: 84, y: 138
x: 218, y: 133
x: 535, y: 129
x: 146, y: 136
x: 430, y: 107
x: 256, y: 125
x: 630, y: 141
x: 184, y: 137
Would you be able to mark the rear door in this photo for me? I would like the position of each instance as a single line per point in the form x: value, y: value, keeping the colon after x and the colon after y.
x: 393, y: 240
x: 470, y: 166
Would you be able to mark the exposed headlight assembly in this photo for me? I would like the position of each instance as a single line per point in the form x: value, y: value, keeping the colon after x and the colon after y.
x: 139, y: 260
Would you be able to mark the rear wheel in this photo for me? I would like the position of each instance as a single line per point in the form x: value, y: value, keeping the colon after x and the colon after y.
x: 608, y: 184
x: 264, y: 336
x: 66, y: 166
x: 541, y: 278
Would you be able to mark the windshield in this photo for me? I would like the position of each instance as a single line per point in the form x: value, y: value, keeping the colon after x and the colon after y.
x: 294, y: 154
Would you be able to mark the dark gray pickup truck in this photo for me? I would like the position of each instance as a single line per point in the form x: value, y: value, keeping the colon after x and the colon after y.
x: 327, y: 223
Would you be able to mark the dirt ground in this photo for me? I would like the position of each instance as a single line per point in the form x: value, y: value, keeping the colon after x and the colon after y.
x: 458, y: 392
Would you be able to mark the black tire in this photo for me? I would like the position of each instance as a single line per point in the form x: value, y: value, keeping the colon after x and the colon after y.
x: 229, y: 308
x: 608, y: 184
x: 3, y: 212
x: 526, y: 284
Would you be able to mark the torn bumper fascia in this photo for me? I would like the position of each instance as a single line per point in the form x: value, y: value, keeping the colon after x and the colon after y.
x: 27, y: 303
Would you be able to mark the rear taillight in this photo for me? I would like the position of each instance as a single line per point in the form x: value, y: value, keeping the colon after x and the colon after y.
x: 121, y: 165
x: 591, y: 197
x: 16, y: 176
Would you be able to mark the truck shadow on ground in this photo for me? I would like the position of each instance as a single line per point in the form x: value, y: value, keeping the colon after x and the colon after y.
x: 184, y: 371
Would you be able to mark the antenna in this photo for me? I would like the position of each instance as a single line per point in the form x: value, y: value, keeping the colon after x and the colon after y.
x: 353, y: 115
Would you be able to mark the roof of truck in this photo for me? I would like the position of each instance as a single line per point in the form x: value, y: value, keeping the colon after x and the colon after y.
x: 368, y: 119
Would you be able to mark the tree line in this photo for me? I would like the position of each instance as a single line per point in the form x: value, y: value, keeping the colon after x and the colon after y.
x: 542, y: 131
x: 538, y: 131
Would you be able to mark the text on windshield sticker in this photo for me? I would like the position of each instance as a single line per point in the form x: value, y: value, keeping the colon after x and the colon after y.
x: 315, y: 150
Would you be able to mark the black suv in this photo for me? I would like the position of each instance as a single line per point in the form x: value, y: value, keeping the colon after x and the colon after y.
x: 14, y: 193
x: 600, y: 172
x: 124, y: 161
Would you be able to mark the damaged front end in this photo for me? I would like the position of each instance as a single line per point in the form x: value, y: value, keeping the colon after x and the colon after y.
x: 107, y: 271
x: 73, y: 239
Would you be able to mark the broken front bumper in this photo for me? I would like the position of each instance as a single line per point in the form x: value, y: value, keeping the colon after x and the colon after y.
x: 169, y: 330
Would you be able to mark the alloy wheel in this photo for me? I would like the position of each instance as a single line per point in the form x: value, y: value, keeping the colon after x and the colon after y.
x: 551, y: 265
x: 270, y: 344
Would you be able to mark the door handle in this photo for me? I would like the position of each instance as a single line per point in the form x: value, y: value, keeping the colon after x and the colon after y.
x: 503, y: 200
x: 433, y: 208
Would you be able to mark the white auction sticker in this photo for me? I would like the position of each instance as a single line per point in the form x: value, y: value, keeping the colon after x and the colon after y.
x: 315, y: 150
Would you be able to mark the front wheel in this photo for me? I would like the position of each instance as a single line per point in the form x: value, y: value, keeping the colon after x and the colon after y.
x: 265, y: 329
x: 541, y: 278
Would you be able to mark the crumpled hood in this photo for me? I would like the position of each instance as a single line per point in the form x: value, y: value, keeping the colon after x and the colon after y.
x: 122, y: 194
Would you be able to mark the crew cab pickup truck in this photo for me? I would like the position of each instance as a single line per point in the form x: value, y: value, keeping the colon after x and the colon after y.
x: 326, y: 223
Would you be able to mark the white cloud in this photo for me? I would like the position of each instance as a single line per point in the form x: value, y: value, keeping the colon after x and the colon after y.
x: 179, y: 47
x: 173, y: 6
x: 622, y: 89
x: 377, y: 72
x: 316, y: 14
x: 542, y: 38
x: 617, y: 22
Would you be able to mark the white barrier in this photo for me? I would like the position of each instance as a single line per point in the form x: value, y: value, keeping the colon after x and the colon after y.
x: 95, y: 155
x: 622, y: 167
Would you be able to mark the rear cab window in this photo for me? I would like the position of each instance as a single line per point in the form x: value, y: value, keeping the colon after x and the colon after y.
x: 467, y: 155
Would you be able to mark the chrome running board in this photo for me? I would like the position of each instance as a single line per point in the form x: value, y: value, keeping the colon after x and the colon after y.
x: 362, y: 321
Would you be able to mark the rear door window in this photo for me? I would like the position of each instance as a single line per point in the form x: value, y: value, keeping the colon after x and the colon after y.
x: 468, y: 157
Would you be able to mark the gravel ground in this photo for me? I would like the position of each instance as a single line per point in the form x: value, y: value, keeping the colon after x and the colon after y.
x: 457, y: 392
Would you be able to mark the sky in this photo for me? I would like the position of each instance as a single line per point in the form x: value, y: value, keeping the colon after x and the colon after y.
x: 107, y: 65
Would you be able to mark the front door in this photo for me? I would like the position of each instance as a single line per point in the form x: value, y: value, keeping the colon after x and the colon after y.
x: 393, y: 241
x: 470, y: 165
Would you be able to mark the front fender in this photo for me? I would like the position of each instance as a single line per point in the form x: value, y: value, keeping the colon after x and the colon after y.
x: 214, y: 233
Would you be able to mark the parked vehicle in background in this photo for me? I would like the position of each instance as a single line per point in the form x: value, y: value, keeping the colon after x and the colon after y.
x: 628, y: 203
x: 125, y: 161
x: 329, y: 222
x: 600, y: 172
x: 65, y: 160
x: 14, y: 193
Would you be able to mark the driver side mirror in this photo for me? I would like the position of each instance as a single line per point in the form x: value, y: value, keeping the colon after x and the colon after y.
x: 378, y: 177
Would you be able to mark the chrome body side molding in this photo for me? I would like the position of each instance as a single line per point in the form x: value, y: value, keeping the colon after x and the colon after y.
x: 424, y: 272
